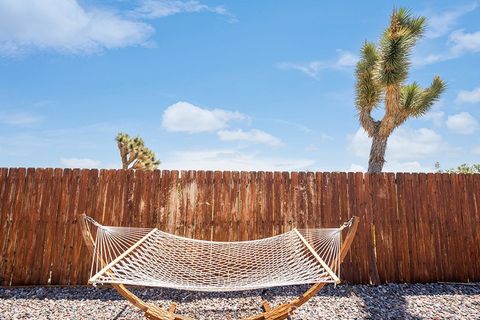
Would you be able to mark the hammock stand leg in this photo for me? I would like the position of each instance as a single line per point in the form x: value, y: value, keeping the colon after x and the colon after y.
x: 283, y: 311
x: 280, y: 312
x: 150, y: 311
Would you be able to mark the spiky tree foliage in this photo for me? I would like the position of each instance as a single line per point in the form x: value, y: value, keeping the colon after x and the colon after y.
x: 134, y: 154
x: 381, y: 74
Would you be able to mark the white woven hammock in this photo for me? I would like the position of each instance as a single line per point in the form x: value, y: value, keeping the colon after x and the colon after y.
x: 150, y: 257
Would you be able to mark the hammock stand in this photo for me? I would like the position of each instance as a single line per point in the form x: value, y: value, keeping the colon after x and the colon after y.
x: 279, y: 312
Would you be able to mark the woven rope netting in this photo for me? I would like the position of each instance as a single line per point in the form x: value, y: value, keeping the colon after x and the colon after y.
x: 150, y: 257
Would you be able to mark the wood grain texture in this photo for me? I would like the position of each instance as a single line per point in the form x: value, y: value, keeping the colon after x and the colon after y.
x: 413, y: 227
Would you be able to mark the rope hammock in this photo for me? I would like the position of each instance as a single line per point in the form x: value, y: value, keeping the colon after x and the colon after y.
x: 151, y: 257
x: 160, y: 259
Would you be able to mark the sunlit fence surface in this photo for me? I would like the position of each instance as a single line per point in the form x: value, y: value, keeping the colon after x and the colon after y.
x: 413, y: 227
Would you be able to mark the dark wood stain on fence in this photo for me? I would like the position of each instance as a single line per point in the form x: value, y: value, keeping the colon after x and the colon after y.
x: 414, y: 227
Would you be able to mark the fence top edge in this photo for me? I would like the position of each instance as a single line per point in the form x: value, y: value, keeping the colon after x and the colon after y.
x: 179, y: 172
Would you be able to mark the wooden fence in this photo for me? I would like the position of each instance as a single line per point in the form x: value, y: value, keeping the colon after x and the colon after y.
x: 414, y: 227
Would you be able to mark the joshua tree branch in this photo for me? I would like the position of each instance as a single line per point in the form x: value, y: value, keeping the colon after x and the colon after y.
x: 368, y: 90
x: 392, y: 110
x: 427, y: 97
x: 123, y: 155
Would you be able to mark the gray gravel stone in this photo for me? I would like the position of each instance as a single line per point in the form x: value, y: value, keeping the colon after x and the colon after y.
x: 392, y: 301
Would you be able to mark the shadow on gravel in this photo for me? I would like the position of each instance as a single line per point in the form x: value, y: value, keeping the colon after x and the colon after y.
x: 373, y: 302
x: 381, y: 303
x: 389, y: 301
x: 120, y: 313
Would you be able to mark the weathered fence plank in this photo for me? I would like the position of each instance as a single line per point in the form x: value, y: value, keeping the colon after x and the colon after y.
x: 414, y: 227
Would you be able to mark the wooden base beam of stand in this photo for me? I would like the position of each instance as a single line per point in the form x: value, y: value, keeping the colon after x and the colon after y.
x: 280, y: 312
x: 172, y: 307
x: 266, y: 306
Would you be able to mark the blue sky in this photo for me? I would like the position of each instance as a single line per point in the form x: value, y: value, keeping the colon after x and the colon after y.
x: 234, y: 85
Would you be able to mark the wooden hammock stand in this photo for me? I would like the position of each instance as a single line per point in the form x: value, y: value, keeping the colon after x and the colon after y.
x: 279, y: 312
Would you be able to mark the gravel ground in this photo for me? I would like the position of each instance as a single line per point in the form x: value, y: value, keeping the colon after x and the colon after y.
x: 393, y: 301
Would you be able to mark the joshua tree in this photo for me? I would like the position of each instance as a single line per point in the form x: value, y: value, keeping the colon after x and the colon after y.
x: 381, y: 73
x: 134, y: 154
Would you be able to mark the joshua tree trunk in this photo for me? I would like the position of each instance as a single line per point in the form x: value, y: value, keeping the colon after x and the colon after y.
x: 377, y: 153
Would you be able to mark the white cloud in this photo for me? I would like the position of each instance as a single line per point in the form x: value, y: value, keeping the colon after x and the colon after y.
x: 152, y: 9
x: 464, y: 42
x: 19, y: 118
x: 89, y: 163
x: 462, y: 123
x: 325, y: 137
x: 441, y: 24
x: 298, y: 126
x: 345, y: 59
x: 403, y: 145
x: 359, y: 144
x: 436, y: 117
x: 419, y: 60
x: 434, y: 58
x: 312, y: 147
x: 186, y: 117
x: 356, y: 168
x: 476, y: 150
x: 459, y: 44
x: 465, y: 96
x: 70, y: 26
x: 393, y: 166
x: 80, y: 162
x: 24, y: 144
x: 408, y: 166
x: 408, y: 144
x: 254, y: 135
x: 65, y: 26
x: 233, y: 160
x: 311, y: 69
